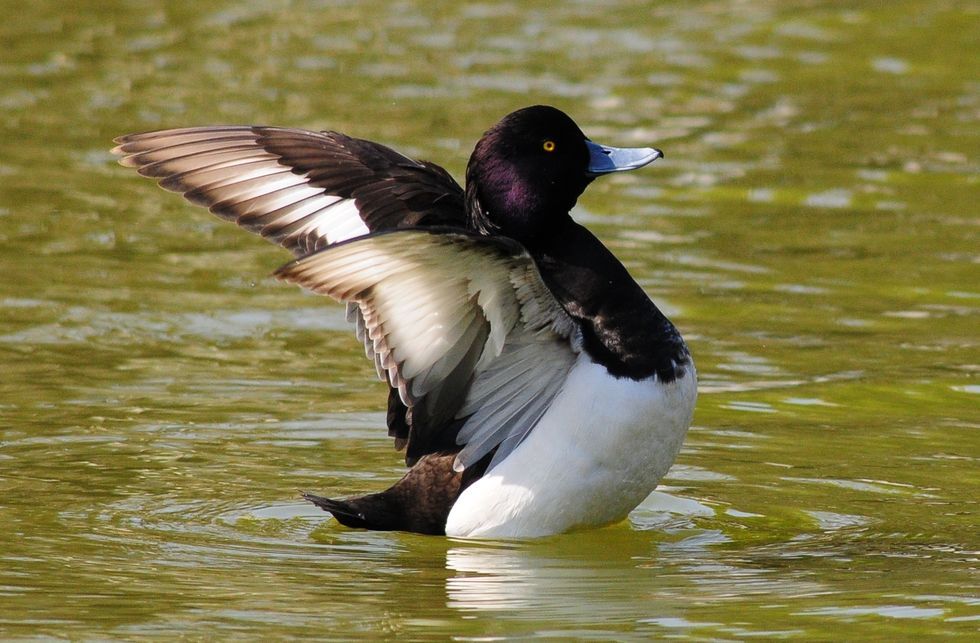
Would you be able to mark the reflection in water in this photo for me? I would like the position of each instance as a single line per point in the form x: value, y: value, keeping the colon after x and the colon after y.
x: 493, y: 578
x: 559, y: 580
x: 559, y: 576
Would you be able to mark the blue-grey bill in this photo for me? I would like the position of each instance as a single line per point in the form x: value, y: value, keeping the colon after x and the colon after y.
x: 604, y: 159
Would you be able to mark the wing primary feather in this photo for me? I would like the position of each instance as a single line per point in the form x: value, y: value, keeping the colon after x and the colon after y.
x: 199, y: 158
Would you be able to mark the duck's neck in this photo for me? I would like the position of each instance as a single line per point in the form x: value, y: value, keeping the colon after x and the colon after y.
x: 621, y: 327
x: 500, y: 200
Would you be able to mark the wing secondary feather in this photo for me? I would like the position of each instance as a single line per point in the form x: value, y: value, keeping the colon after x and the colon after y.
x: 461, y: 325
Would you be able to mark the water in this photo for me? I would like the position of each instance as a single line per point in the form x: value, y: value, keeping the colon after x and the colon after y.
x: 813, y: 231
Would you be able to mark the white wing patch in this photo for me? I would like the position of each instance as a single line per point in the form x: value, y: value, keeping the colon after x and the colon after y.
x: 454, y: 319
x: 227, y: 170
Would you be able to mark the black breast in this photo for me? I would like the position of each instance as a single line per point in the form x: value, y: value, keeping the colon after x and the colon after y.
x: 622, y: 329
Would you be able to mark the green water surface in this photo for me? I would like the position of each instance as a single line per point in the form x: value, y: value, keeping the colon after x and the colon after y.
x: 813, y: 231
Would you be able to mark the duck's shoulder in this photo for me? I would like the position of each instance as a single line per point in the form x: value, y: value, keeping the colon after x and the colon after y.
x: 622, y: 329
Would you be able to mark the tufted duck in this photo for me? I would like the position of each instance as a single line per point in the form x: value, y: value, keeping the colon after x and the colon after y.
x: 534, y: 386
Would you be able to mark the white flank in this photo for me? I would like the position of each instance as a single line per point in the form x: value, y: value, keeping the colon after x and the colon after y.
x: 601, y: 448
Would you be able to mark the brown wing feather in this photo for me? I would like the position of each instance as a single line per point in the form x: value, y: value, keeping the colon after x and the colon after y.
x: 268, y: 179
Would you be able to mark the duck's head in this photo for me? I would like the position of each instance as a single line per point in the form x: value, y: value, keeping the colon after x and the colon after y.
x: 530, y: 168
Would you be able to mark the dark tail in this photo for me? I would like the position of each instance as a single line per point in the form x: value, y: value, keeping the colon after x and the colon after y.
x: 419, y: 502
x: 344, y: 511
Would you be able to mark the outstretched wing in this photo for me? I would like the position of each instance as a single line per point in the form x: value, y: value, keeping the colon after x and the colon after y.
x: 466, y: 331
x: 303, y: 190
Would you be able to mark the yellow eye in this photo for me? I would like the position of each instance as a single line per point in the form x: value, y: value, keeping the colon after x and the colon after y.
x: 549, y: 146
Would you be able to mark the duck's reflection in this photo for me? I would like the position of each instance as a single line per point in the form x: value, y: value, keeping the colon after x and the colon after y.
x: 489, y: 577
x: 610, y: 570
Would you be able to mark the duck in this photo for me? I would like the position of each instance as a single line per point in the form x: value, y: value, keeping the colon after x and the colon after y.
x: 533, y: 385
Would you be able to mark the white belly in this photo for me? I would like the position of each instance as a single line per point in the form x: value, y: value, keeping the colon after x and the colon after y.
x: 595, y: 455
